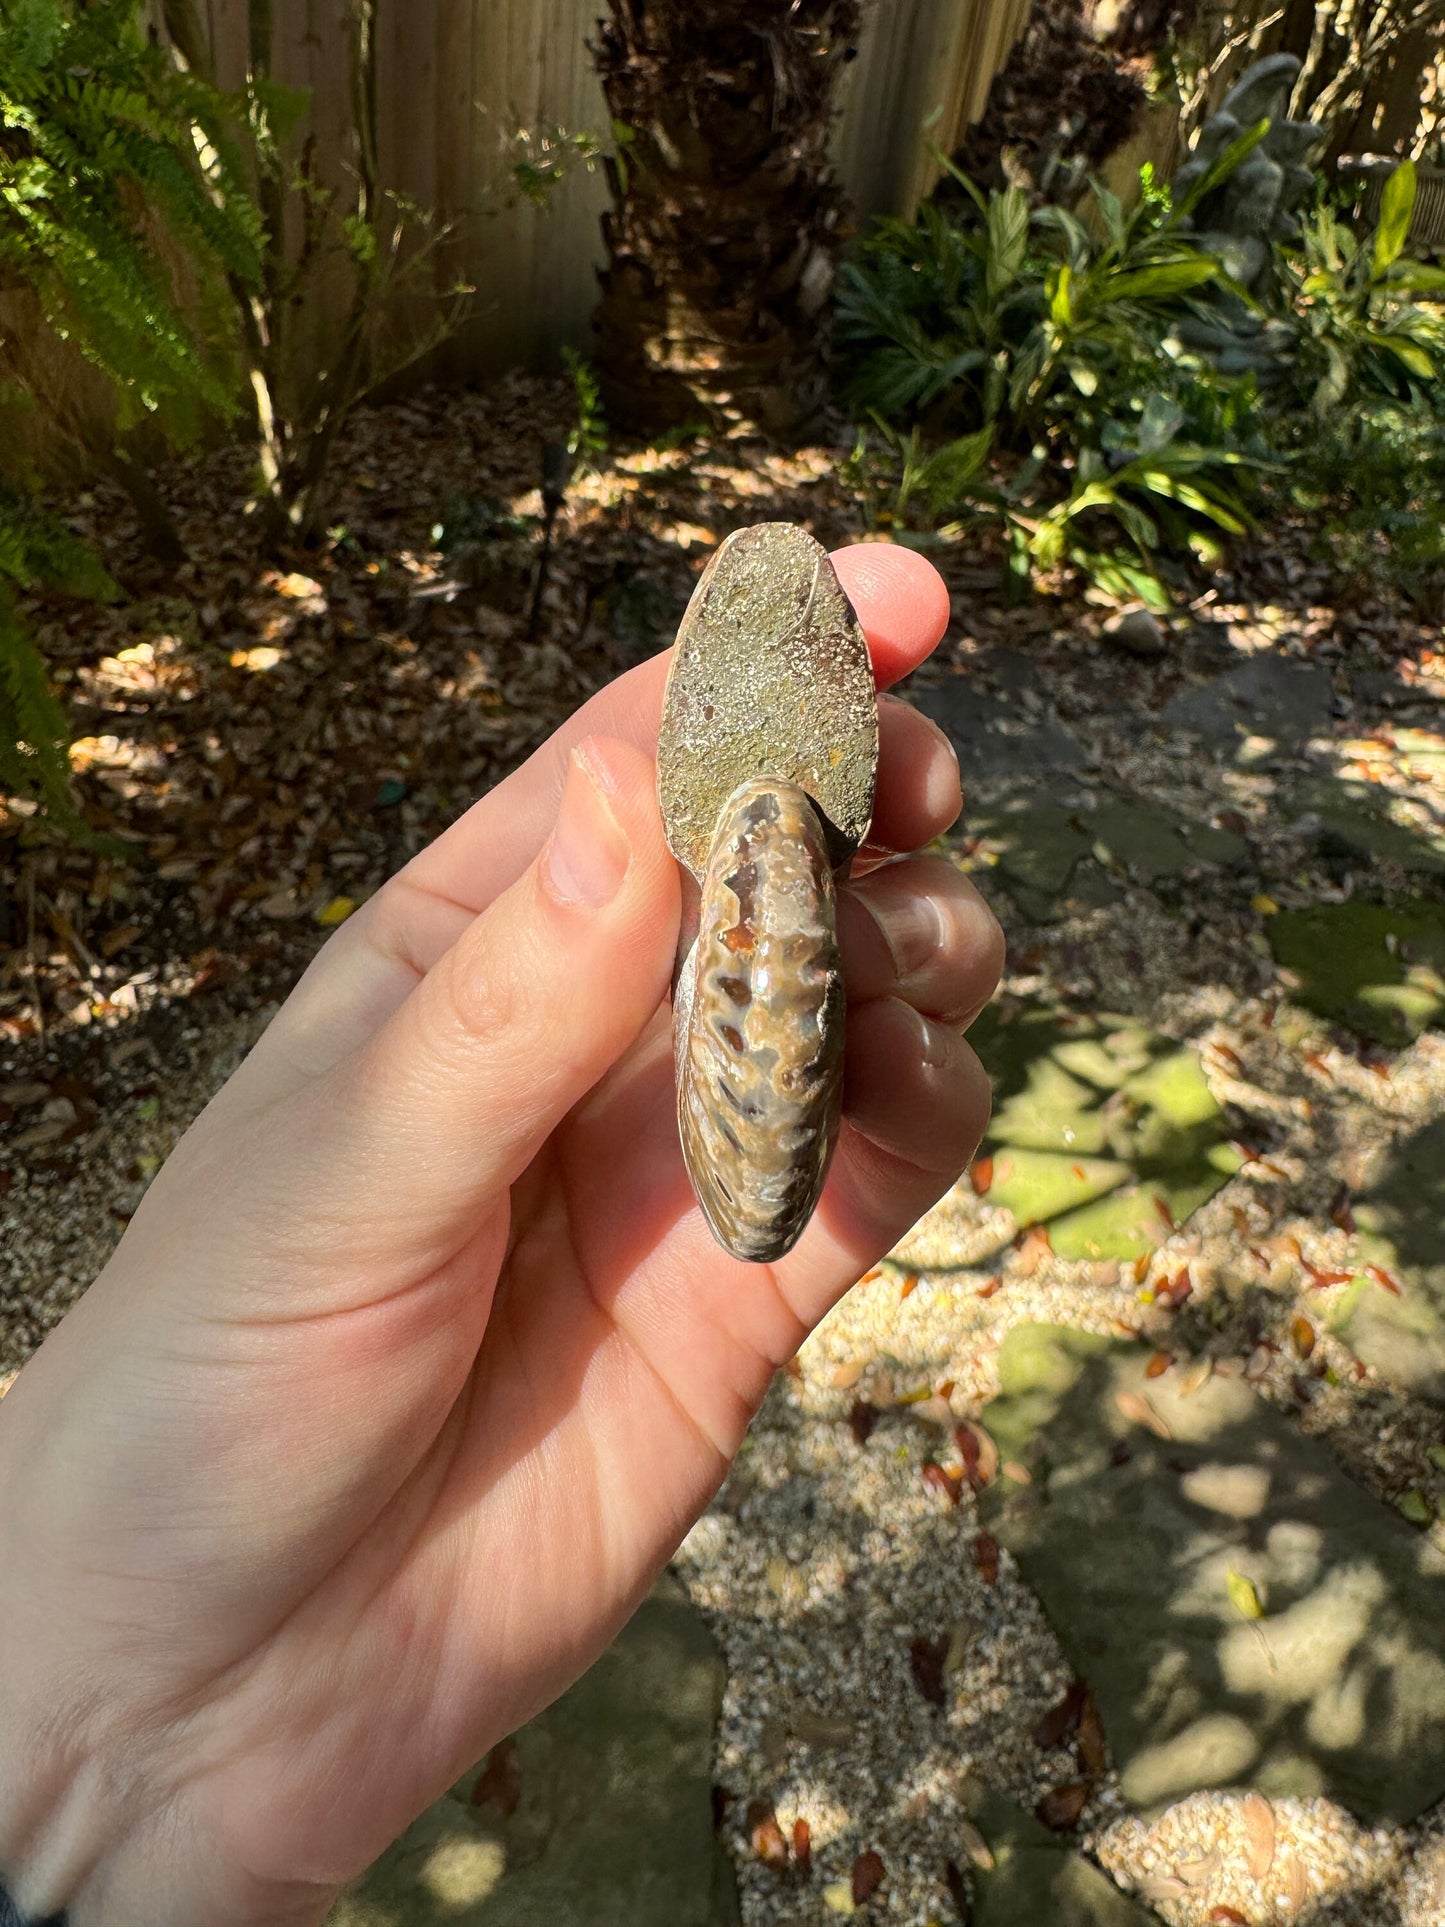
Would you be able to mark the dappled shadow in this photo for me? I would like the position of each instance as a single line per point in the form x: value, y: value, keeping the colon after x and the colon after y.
x: 271, y: 741
x: 1258, y: 1619
x: 1102, y: 1130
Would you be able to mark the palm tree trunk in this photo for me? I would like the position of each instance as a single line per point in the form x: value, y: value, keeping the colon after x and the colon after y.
x: 726, y: 220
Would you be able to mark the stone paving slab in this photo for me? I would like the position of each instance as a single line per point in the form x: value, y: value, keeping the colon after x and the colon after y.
x: 1377, y: 968
x: 1038, y: 1880
x: 993, y: 735
x: 1244, y: 1614
x: 1401, y: 1222
x: 1266, y: 695
x: 613, y: 1823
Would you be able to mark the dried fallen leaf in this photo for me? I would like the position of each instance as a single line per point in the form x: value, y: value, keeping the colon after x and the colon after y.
x: 802, y: 1847
x: 1257, y: 1364
x: 861, y: 1420
x: 1062, y: 1717
x: 1139, y: 1411
x: 1302, y: 1336
x: 1092, y: 1749
x: 978, y: 1452
x: 1173, y: 1294
x: 980, y: 1175
x: 1061, y: 1806
x: 297, y: 587
x: 868, y: 1872
x: 985, y: 1557
x: 765, y: 1836
x: 926, y: 1658
x: 1243, y: 1595
x: 1296, y: 1886
x: 1197, y: 1873
x: 114, y: 941
x: 1195, y: 1377
x: 1322, y: 1280
x: 975, y: 1846
x: 1258, y: 1817
x: 1162, y: 1886
x: 948, y: 1485
x: 499, y: 1784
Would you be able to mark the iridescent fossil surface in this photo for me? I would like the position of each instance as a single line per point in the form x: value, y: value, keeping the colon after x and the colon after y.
x: 766, y: 762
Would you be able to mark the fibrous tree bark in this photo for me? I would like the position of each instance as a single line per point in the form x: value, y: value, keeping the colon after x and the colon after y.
x: 726, y: 220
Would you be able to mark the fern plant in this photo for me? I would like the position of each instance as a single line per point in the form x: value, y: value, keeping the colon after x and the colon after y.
x: 122, y: 211
x: 34, y: 731
x: 124, y: 219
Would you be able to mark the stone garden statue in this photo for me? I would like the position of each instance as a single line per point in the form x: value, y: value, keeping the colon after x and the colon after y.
x: 1257, y: 205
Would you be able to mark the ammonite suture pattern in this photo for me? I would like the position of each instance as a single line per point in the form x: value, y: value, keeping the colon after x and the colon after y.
x: 760, y: 1023
x: 767, y: 755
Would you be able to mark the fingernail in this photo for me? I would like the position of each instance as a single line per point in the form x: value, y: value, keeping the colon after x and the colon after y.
x: 936, y: 1042
x: 588, y: 853
x: 911, y: 924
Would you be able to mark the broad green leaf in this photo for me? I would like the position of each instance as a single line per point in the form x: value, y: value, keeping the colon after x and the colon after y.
x: 1222, y: 168
x: 1167, y: 277
x: 1397, y: 207
x: 1061, y: 311
x: 1111, y: 208
x: 1416, y: 277
x: 1160, y: 423
x: 1008, y: 237
x: 1408, y: 353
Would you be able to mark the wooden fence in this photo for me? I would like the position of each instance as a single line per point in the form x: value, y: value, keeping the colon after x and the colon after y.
x: 461, y: 81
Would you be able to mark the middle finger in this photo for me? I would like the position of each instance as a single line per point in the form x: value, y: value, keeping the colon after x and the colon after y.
x: 917, y: 929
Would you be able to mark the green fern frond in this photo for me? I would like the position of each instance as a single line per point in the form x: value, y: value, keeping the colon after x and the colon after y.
x: 34, y: 733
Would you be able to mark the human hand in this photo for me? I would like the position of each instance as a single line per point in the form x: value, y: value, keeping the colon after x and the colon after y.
x: 418, y: 1360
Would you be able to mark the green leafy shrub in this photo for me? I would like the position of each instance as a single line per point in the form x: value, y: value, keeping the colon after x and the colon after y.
x: 1033, y: 368
x: 1042, y: 350
x: 1365, y: 323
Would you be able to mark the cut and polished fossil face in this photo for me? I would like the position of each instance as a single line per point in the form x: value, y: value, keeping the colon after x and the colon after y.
x: 766, y: 762
x: 771, y: 677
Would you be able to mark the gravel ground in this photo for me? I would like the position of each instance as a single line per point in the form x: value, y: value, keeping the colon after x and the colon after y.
x: 827, y: 1554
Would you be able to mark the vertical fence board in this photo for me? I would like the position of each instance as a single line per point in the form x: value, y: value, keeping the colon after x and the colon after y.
x: 921, y: 79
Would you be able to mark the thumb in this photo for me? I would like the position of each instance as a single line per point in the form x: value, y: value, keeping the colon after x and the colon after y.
x: 541, y: 995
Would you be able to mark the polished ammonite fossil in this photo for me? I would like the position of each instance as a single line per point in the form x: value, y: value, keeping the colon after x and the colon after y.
x: 767, y: 756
